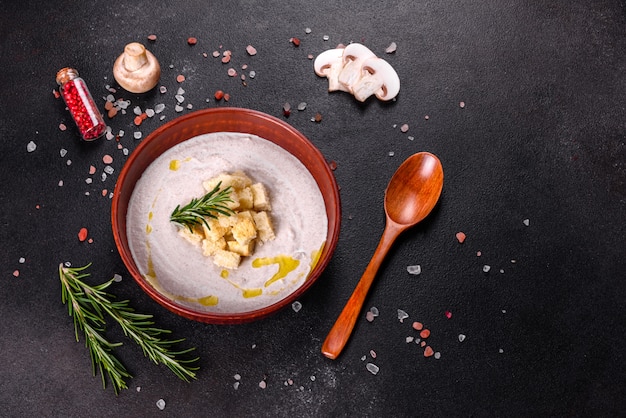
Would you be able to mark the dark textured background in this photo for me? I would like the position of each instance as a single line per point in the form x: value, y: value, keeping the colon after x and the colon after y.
x: 541, y: 138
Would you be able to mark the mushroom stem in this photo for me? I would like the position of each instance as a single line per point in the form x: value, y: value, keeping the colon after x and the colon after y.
x: 135, y: 56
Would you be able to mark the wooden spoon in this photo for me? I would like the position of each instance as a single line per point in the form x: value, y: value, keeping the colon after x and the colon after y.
x: 411, y: 195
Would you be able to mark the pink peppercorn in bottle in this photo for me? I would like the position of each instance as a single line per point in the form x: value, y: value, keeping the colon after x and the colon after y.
x: 80, y: 104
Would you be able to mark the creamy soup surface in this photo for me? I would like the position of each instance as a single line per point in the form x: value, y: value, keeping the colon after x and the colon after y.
x: 177, y: 267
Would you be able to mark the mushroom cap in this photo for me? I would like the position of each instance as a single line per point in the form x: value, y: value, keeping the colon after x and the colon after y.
x: 356, y: 52
x: 136, y: 69
x: 378, y: 67
x: 326, y: 59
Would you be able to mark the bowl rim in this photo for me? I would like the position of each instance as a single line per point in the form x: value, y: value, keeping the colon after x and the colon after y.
x: 118, y: 214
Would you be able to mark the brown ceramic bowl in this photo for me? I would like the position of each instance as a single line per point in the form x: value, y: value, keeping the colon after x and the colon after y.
x: 224, y: 120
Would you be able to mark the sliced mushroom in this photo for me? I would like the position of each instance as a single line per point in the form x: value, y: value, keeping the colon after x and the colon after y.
x: 328, y: 64
x: 137, y: 69
x: 377, y: 77
x: 353, y: 57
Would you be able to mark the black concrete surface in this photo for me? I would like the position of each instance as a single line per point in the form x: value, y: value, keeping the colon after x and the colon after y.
x: 540, y: 139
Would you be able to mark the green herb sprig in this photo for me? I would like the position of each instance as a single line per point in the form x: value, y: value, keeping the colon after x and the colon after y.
x: 197, y: 211
x: 87, y: 305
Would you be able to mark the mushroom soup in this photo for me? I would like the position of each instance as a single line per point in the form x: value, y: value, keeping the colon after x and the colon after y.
x: 177, y: 268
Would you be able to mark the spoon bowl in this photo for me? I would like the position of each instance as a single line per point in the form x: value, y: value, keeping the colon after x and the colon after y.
x: 411, y: 195
x: 414, y: 189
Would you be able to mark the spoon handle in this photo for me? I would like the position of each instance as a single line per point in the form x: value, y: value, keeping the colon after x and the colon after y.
x: 341, y: 331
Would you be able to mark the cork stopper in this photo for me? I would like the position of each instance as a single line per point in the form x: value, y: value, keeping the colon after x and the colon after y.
x: 66, y: 74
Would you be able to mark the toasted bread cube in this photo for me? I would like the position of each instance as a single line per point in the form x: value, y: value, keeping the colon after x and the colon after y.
x: 244, y: 214
x: 244, y: 230
x: 241, y: 249
x: 246, y: 198
x: 193, y: 237
x: 215, y: 231
x: 237, y: 180
x: 226, y: 259
x: 265, y: 229
x: 261, y: 197
x: 210, y: 247
x: 233, y: 204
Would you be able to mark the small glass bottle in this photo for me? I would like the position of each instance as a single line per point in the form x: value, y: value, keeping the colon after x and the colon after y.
x: 80, y: 104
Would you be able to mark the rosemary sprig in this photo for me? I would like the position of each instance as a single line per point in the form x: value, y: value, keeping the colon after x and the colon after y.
x: 197, y: 211
x: 87, y: 305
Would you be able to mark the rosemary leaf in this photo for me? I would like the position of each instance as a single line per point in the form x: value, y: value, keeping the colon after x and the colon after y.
x: 91, y: 322
x: 87, y: 305
x: 197, y: 211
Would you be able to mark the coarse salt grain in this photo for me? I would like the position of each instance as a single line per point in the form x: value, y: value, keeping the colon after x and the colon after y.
x: 16, y: 273
x: 107, y: 159
x: 369, y: 316
x: 460, y: 236
x: 415, y: 270
x: 372, y: 368
x: 428, y: 351
x: 160, y: 404
x: 402, y: 315
x: 404, y: 128
x: 262, y: 384
x: 486, y: 268
x: 251, y: 50
x: 296, y: 306
x: 461, y: 338
x: 31, y: 146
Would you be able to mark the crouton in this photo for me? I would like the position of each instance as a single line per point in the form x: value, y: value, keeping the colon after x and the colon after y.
x: 244, y: 231
x: 261, y: 197
x: 215, y: 231
x: 265, y: 229
x: 226, y: 259
x: 241, y: 249
x: 246, y: 198
x: 209, y: 247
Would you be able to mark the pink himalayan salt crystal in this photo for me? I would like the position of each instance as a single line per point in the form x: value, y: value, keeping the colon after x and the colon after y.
x: 251, y: 50
x: 460, y: 236
x: 107, y: 159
